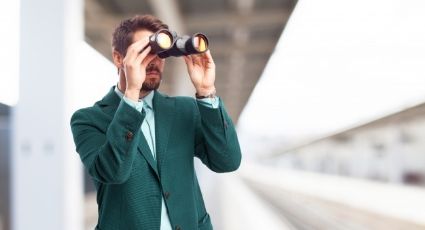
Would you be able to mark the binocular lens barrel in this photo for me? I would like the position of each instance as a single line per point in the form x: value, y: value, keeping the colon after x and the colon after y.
x: 200, y: 42
x: 160, y: 41
x: 166, y: 43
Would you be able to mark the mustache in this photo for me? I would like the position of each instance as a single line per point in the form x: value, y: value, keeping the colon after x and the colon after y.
x: 151, y: 68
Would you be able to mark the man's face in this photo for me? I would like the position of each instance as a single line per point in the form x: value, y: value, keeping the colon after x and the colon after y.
x: 155, y: 67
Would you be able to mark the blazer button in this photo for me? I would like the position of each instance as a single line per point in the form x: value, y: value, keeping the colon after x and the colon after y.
x: 129, y: 136
x: 178, y: 227
x: 166, y: 195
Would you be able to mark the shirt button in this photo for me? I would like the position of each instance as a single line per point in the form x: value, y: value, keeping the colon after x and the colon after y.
x: 166, y: 195
x: 178, y: 227
x: 129, y: 136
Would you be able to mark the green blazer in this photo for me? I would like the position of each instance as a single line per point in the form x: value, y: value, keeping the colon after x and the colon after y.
x: 130, y: 183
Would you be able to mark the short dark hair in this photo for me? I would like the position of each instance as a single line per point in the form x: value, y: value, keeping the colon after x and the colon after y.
x: 123, y: 34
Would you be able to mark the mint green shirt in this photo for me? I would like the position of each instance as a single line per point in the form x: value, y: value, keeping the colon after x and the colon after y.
x: 148, y: 130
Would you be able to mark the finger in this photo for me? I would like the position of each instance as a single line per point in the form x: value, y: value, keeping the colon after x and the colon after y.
x: 141, y: 56
x: 188, y: 61
x: 140, y: 44
x: 143, y: 49
x: 209, y: 56
x: 197, y: 59
x: 148, y: 59
x: 208, y: 53
x: 138, y: 47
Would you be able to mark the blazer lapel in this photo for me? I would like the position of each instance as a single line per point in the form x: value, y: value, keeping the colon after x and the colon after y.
x: 109, y: 105
x: 147, y: 154
x: 164, y: 116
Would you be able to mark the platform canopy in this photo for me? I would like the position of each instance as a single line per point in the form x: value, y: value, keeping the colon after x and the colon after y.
x: 339, y: 64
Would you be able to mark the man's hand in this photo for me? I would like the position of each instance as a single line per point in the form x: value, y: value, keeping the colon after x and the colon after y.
x: 201, y: 70
x: 135, y: 63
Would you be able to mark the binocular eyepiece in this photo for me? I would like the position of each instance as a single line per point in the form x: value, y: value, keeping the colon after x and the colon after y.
x: 166, y: 43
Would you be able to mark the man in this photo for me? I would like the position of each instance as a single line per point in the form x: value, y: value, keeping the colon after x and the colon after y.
x: 138, y: 145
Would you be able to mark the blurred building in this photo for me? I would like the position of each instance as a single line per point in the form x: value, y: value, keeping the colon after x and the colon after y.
x: 389, y: 149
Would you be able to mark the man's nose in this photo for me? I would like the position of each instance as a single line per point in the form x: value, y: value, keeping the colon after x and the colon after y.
x: 156, y: 60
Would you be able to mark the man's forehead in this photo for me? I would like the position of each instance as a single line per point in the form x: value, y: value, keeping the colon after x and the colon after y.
x: 140, y: 34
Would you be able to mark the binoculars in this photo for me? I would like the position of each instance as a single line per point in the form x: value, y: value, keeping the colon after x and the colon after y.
x: 166, y: 43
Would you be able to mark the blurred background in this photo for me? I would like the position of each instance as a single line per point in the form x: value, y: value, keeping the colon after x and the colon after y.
x: 328, y: 98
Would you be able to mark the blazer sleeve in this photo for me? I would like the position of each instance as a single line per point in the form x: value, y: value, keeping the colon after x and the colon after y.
x: 108, y: 156
x: 216, y: 140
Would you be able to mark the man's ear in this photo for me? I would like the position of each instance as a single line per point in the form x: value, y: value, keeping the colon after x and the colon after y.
x: 118, y: 59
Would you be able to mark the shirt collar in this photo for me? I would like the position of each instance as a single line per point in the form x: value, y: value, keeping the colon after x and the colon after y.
x: 147, y: 99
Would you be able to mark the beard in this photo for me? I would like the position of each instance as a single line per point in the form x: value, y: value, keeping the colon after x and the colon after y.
x: 149, y: 85
x: 152, y: 84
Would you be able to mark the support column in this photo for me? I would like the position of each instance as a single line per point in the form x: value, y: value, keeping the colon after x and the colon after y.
x: 47, y: 189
